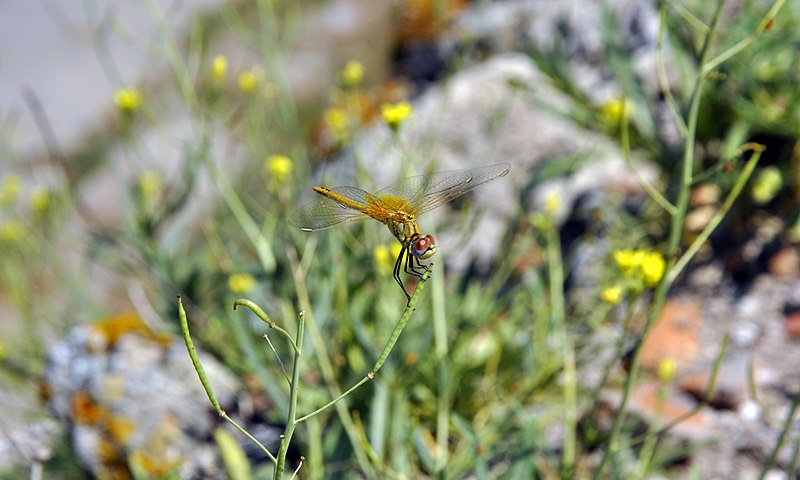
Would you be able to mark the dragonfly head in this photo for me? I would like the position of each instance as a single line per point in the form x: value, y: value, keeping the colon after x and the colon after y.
x: 423, y: 247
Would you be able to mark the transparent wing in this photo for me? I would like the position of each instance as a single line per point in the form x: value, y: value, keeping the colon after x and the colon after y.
x: 324, y: 212
x: 426, y: 192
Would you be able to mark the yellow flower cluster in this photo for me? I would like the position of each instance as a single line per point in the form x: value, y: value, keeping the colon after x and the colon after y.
x: 239, y: 283
x: 396, y: 113
x: 279, y: 167
x: 615, y: 110
x: 250, y: 79
x: 385, y: 256
x: 352, y: 74
x: 219, y: 68
x: 128, y: 100
x: 337, y: 121
x: 641, y: 268
x: 647, y: 265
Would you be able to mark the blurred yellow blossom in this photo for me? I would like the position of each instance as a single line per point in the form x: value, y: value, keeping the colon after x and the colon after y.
x: 551, y: 204
x: 666, y: 370
x: 653, y: 268
x: 9, y: 190
x: 612, y: 295
x: 615, y: 110
x: 128, y: 100
x: 766, y: 185
x: 250, y: 79
x: 380, y: 256
x: 628, y: 260
x: 352, y: 74
x: 385, y: 256
x: 39, y: 200
x: 279, y: 167
x: 219, y: 68
x: 149, y: 184
x: 239, y: 283
x: 396, y: 113
x: 337, y: 121
x: 11, y: 231
x: 395, y: 250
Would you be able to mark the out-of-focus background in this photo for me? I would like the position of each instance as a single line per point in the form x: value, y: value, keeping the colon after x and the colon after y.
x: 624, y: 304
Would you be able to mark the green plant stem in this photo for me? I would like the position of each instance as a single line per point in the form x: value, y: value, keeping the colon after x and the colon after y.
x: 787, y: 425
x: 443, y: 373
x: 262, y: 315
x: 201, y: 374
x: 709, y: 392
x: 294, y: 390
x: 249, y: 226
x: 745, y: 42
x: 676, y: 229
x: 626, y: 149
x: 698, y: 242
x: 661, y: 70
x: 398, y: 329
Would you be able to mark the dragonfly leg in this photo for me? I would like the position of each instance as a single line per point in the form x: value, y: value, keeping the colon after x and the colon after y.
x: 414, y: 266
x: 396, y: 272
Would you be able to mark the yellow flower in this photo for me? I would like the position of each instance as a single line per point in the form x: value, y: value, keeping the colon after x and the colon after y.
x: 615, y: 110
x: 551, y: 204
x: 9, y: 190
x: 380, y: 256
x: 279, y: 167
x: 612, y: 295
x: 249, y: 79
x: 39, y: 200
x: 352, y: 74
x: 384, y: 257
x: 219, y: 68
x: 653, y: 268
x: 628, y: 260
x: 666, y: 370
x: 239, y: 283
x: 395, y: 250
x: 395, y: 114
x: 149, y: 184
x: 11, y: 231
x: 128, y: 100
x: 337, y: 121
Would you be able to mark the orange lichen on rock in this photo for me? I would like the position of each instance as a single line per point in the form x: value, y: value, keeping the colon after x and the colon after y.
x: 114, y: 327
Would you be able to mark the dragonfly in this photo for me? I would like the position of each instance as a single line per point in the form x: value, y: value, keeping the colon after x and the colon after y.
x: 397, y: 206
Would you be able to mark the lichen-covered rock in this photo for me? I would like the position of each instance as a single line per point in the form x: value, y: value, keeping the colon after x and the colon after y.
x: 130, y: 397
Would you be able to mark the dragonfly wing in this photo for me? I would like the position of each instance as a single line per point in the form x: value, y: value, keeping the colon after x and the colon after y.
x: 426, y: 192
x: 326, y: 212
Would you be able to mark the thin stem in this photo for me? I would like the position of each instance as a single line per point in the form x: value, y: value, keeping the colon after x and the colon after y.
x: 291, y: 422
x: 661, y: 70
x: 741, y: 181
x: 398, y: 329
x: 443, y: 373
x: 262, y: 315
x: 626, y: 149
x: 326, y: 368
x: 787, y: 425
x: 709, y: 392
x: 745, y: 42
x: 676, y: 228
x: 201, y: 374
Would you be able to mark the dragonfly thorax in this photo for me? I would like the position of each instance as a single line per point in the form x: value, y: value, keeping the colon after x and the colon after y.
x: 404, y: 229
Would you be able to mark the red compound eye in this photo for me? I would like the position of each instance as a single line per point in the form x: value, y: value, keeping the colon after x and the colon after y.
x: 424, y: 247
